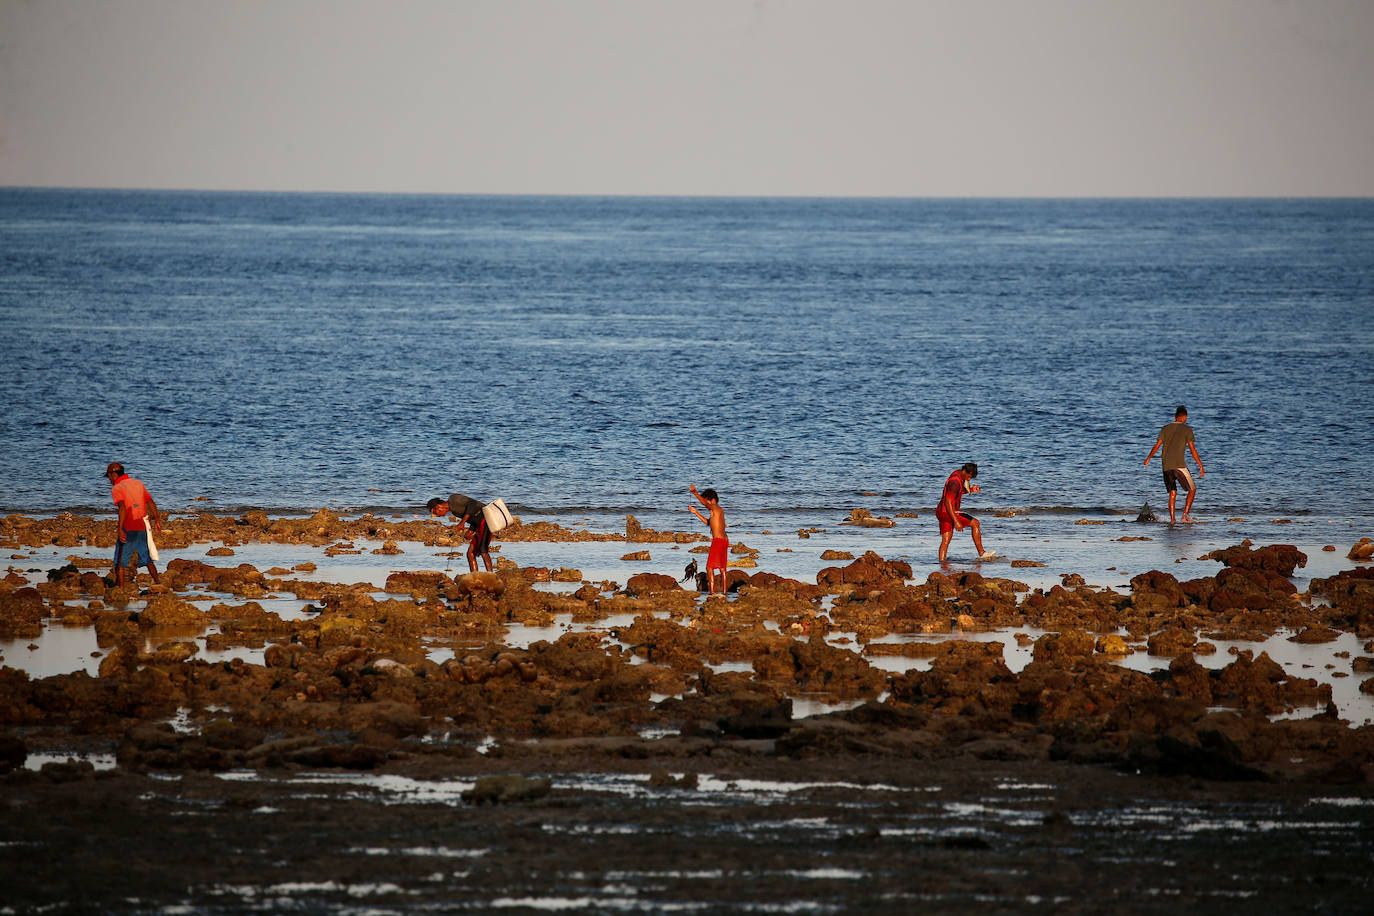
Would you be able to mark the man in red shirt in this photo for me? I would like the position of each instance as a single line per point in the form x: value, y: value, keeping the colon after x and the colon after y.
x: 135, y: 507
x: 951, y: 519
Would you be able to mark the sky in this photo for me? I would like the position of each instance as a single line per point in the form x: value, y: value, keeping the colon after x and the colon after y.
x: 902, y: 98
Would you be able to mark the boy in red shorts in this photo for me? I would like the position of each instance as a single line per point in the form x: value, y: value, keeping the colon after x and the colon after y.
x: 951, y: 519
x: 719, y: 557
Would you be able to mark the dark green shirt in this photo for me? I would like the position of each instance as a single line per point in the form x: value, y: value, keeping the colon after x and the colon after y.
x: 460, y: 505
x: 1175, y: 437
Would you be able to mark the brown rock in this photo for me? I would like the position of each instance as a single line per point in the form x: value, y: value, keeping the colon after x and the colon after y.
x: 1314, y: 635
x: 869, y: 569
x: 1112, y: 645
x: 960, y: 672
x: 21, y: 613
x: 1058, y: 647
x: 925, y: 609
x: 1172, y: 641
x: 170, y: 611
x: 1189, y: 679
x: 1261, y: 683
x: 865, y: 519
x: 119, y: 662
x: 420, y: 581
x: 480, y: 583
x: 637, y: 533
x: 1351, y: 594
x: 1156, y: 591
x: 175, y: 652
x: 1283, y: 559
x: 278, y: 656
x: 650, y: 584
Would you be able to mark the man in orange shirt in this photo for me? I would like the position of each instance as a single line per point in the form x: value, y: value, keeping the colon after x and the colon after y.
x: 135, y: 506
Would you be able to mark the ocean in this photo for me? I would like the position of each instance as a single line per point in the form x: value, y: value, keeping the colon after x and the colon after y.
x: 585, y: 358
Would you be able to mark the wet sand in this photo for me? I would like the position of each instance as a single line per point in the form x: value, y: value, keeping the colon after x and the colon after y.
x: 871, y: 737
x: 735, y: 831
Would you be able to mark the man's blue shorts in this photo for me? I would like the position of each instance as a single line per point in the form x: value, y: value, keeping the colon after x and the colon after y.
x: 135, y: 548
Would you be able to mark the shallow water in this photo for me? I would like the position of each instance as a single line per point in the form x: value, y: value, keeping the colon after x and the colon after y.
x: 585, y: 356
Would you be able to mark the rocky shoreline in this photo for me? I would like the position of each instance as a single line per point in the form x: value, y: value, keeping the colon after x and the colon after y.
x: 351, y: 686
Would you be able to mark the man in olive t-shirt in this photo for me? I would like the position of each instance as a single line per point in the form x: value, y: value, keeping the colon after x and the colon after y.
x: 1176, y: 437
x: 468, y: 511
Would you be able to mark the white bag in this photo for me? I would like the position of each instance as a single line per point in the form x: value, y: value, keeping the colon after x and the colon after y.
x: 497, y: 515
x: 152, y: 548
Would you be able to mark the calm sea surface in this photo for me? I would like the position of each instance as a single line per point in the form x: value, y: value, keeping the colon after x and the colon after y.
x: 594, y: 356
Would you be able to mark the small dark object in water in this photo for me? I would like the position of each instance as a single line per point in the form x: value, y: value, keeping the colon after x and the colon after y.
x: 61, y: 571
x: 691, y: 571
x: 1146, y: 514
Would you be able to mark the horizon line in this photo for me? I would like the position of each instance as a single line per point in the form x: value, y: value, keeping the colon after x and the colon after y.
x: 677, y: 195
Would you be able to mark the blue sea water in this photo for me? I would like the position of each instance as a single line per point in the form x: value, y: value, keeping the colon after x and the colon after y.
x: 594, y: 356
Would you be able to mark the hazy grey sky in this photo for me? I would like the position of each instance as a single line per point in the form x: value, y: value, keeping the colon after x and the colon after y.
x: 791, y: 97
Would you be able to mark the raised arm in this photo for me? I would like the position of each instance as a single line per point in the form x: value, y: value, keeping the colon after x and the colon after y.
x: 693, y: 488
x: 704, y: 519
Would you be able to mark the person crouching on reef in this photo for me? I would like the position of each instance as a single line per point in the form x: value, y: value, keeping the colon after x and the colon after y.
x: 951, y: 519
x: 719, y: 557
x: 468, y: 511
x: 135, y: 507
